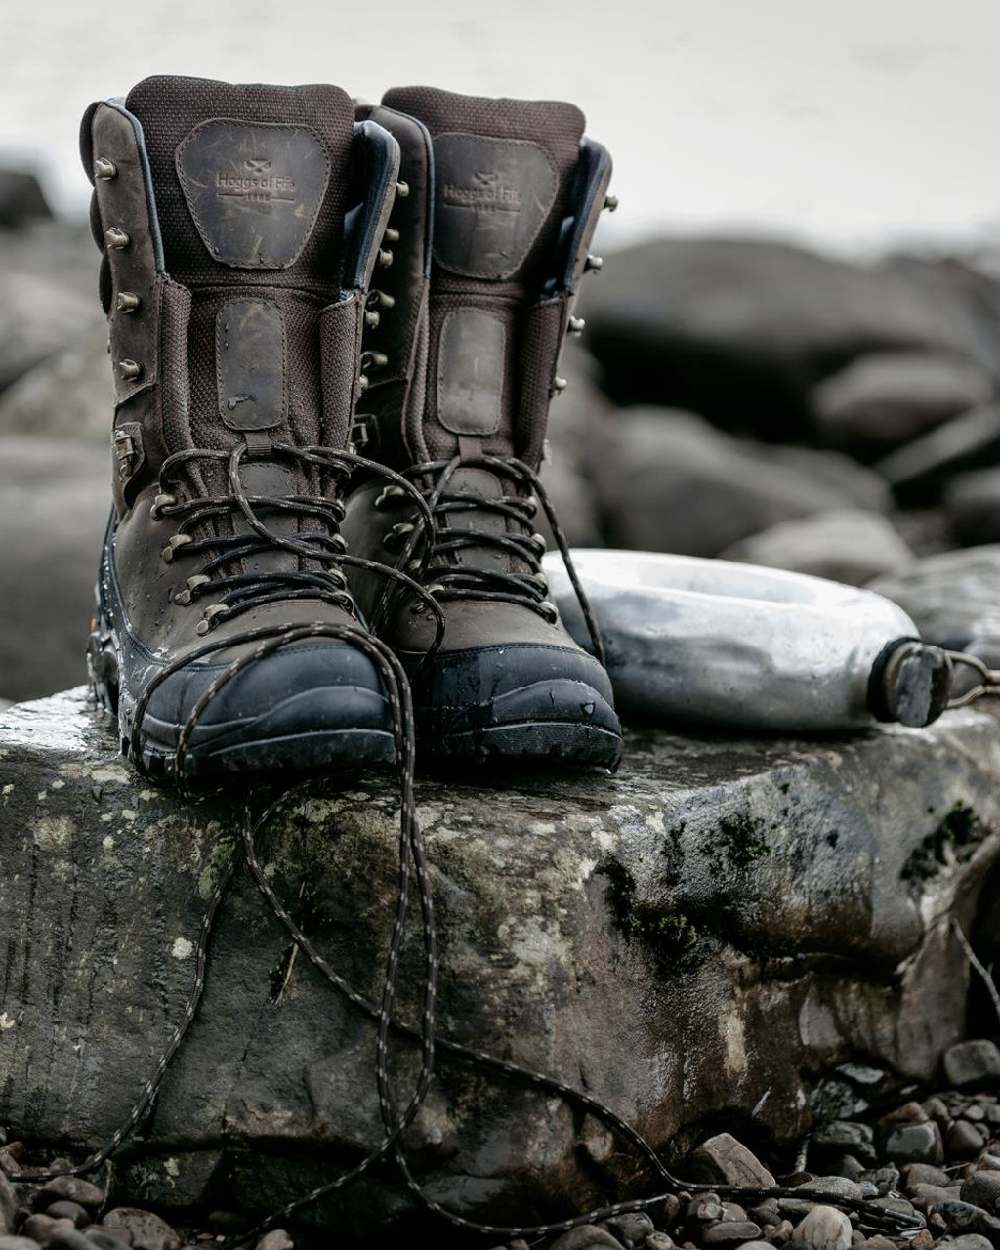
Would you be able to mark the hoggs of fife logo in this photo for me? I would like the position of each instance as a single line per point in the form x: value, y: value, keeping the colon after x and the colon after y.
x: 255, y: 182
x: 489, y: 192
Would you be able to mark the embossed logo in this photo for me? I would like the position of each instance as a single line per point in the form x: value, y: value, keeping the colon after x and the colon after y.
x: 489, y: 192
x: 254, y: 189
x: 255, y: 183
x: 493, y: 196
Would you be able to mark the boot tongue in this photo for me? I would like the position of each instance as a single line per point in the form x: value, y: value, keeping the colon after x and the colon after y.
x: 502, y: 178
x: 251, y: 185
x: 250, y: 181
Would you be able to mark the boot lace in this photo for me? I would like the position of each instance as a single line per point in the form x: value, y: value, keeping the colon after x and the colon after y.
x: 412, y: 864
x: 445, y: 579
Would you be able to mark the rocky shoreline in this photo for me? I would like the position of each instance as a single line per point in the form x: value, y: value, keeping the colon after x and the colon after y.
x: 933, y: 1157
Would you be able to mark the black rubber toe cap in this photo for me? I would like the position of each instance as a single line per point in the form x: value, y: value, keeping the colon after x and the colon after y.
x: 302, y: 707
x: 525, y: 700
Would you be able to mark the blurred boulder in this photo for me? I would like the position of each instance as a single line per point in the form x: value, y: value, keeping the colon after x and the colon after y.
x: 972, y: 503
x: 21, y: 198
x: 741, y: 330
x: 918, y: 472
x: 965, y: 289
x: 859, y: 487
x: 571, y: 495
x: 667, y: 481
x: 39, y: 316
x: 885, y: 399
x: 54, y: 502
x: 953, y: 598
x: 847, y: 546
x: 69, y: 395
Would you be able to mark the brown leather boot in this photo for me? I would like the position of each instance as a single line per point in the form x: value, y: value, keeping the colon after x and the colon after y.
x: 239, y: 227
x: 462, y: 344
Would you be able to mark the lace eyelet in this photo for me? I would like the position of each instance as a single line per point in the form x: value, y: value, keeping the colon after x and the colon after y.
x: 170, y: 550
x: 383, y: 500
x: 159, y: 503
x: 538, y: 542
x: 395, y: 539
x: 550, y: 612
x: 193, y: 585
x: 211, y: 617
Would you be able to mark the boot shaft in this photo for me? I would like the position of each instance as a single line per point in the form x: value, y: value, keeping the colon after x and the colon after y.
x: 505, y: 199
x: 239, y: 227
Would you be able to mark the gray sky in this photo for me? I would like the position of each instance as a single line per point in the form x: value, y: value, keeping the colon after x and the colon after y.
x: 850, y: 123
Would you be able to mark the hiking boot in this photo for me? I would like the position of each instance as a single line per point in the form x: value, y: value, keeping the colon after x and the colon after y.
x: 462, y: 339
x: 239, y: 227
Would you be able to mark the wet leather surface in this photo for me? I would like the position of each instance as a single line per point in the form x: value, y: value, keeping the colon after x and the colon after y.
x: 250, y: 353
x: 471, y: 352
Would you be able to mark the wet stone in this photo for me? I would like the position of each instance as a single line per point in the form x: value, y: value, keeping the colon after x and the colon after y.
x: 964, y: 1140
x: 64, y: 1209
x: 924, y: 1174
x: 73, y: 1189
x: 276, y: 1239
x: 967, y: 1241
x: 730, y: 1233
x: 725, y: 1161
x: 824, y: 1228
x: 148, y: 1231
x: 982, y: 1189
x: 631, y: 1229
x: 914, y: 1143
x: 587, y: 1237
x: 972, y: 1063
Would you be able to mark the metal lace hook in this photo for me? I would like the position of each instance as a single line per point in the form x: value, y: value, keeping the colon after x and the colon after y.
x: 988, y: 683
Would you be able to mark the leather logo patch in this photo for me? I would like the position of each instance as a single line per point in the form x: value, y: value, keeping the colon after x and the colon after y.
x: 254, y: 191
x: 250, y: 367
x: 492, y: 198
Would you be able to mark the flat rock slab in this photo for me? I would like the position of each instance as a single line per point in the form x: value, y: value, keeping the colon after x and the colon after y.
x: 707, y: 931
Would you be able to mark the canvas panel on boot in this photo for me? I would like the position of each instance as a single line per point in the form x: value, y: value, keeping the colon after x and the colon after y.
x: 239, y: 226
x: 463, y: 367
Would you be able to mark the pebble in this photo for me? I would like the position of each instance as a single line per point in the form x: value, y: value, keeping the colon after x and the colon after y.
x: 910, y: 1142
x: 10, y: 1242
x: 972, y: 1063
x: 42, y: 1228
x: 148, y: 1231
x: 586, y: 1237
x: 964, y: 1140
x: 73, y: 1189
x: 70, y: 1239
x: 278, y: 1239
x: 725, y: 1161
x: 982, y: 1189
x: 660, y: 1241
x: 968, y: 1241
x: 847, y: 1135
x: 824, y: 1228
x: 65, y: 1209
x: 631, y: 1229
x: 108, y: 1238
x: 766, y: 1213
x: 924, y: 1174
x: 963, y: 1217
x: 730, y: 1233
x: 837, y: 1186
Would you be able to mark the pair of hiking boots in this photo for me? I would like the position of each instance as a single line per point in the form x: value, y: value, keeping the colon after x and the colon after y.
x: 334, y: 331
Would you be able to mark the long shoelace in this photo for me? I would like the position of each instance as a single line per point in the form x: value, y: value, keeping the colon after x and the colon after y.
x: 412, y: 863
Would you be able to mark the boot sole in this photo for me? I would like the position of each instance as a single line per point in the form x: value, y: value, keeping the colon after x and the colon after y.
x: 553, y: 741
x: 284, y: 739
x: 555, y: 720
